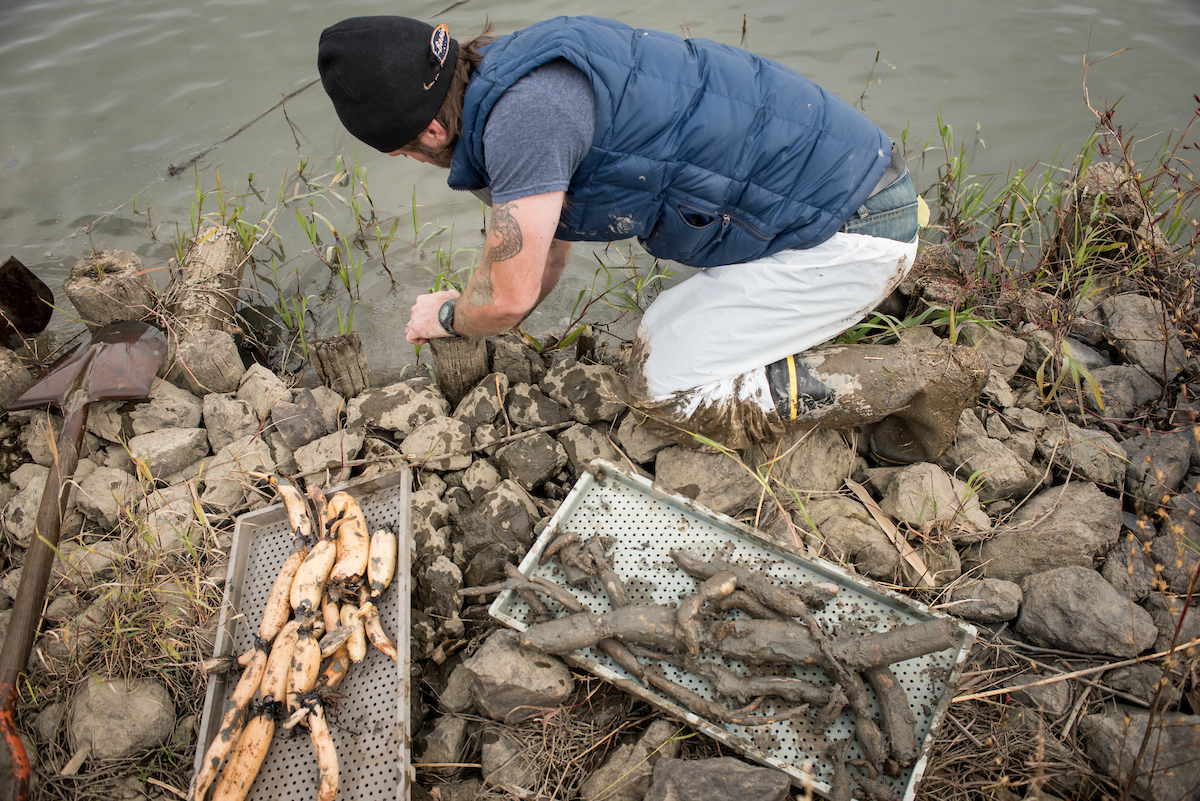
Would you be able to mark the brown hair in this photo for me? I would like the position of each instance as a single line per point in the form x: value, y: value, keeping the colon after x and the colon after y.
x: 450, y: 114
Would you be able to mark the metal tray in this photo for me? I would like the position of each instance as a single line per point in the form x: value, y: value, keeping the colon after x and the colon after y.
x: 647, y: 523
x: 370, y: 729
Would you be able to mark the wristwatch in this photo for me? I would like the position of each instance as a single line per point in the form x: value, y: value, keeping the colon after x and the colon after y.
x: 446, y: 317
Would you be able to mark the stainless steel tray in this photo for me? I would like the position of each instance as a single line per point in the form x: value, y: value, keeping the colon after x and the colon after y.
x: 647, y: 523
x: 370, y: 729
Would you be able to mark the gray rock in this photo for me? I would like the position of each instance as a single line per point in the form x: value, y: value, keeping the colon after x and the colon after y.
x: 400, y: 408
x: 625, y: 774
x: 1004, y: 352
x: 999, y: 472
x: 227, y: 419
x: 445, y: 743
x: 921, y: 494
x: 20, y: 514
x: 1135, y: 324
x: 262, y: 389
x: 440, y: 583
x: 40, y: 435
x: 531, y: 461
x: 331, y: 405
x: 170, y: 529
x: 1142, y: 681
x: 711, y: 479
x: 504, y: 517
x: 457, y: 697
x: 104, y: 493
x: 851, y: 536
x: 50, y: 720
x: 592, y: 392
x: 997, y: 391
x: 515, y: 359
x: 1183, y: 512
x: 300, y: 421
x: 502, y: 763
x: 1053, y: 698
x: 440, y: 443
x: 225, y: 481
x: 16, y: 377
x: 168, y: 407
x: 1021, y: 419
x: 528, y: 407
x: 1055, y: 528
x: 720, y: 779
x: 1128, y: 569
x: 1157, y: 464
x: 583, y: 444
x: 480, y: 478
x: 996, y: 429
x: 485, y: 438
x: 483, y: 403
x: 429, y: 541
x: 986, y: 601
x: 168, y: 452
x: 1166, y: 611
x: 120, y: 718
x: 1093, y: 454
x: 85, y: 566
x: 639, y: 443
x: 513, y: 683
x: 1178, y: 558
x: 1075, y: 609
x: 1125, y: 388
x: 329, y: 454
x: 809, y: 462
x: 1170, y: 772
x: 426, y: 505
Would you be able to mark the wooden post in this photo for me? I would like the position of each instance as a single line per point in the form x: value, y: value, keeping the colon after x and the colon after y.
x: 340, y: 363
x: 111, y: 286
x: 208, y: 361
x: 458, y: 365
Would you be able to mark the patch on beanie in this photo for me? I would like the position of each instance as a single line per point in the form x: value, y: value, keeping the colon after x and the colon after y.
x: 439, y: 46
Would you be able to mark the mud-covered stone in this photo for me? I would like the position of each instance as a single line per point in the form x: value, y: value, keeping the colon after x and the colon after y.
x: 1128, y: 569
x: 1074, y: 608
x: 1157, y: 464
x: 330, y: 453
x: 713, y: 480
x: 483, y: 403
x: 625, y: 773
x: 851, y: 536
x: 986, y: 601
x: 1055, y: 528
x: 299, y: 422
x: 719, y: 779
x: 14, y: 377
x: 400, y: 408
x: 922, y: 494
x: 592, y: 392
x: 456, y: 695
x: 531, y: 461
x: 427, y: 505
x: 120, y: 718
x: 809, y: 462
x: 440, y: 443
x: 639, y: 443
x: 1169, y: 773
x: 505, y: 517
x: 512, y: 683
x: 227, y: 419
x: 480, y: 478
x: 168, y: 452
x: 529, y: 407
x: 440, y: 582
x: 262, y: 389
x: 225, y: 481
x: 1124, y: 388
x: 1135, y: 323
x: 487, y: 566
x: 583, y: 444
x: 515, y: 359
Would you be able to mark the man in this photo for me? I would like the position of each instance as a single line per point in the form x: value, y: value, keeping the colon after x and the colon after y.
x: 584, y: 129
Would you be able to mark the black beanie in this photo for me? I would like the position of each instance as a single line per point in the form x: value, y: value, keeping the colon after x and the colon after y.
x: 387, y: 76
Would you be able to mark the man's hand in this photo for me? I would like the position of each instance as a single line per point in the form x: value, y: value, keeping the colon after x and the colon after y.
x: 423, y: 323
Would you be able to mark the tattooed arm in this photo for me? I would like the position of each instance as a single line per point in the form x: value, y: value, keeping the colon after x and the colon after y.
x: 520, y: 266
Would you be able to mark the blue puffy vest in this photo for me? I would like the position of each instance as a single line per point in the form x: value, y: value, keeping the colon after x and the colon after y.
x: 708, y: 154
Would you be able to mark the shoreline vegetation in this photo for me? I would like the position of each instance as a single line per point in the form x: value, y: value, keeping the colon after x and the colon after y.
x: 1072, y: 486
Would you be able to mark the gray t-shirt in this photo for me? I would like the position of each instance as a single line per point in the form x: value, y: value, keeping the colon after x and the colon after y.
x: 538, y: 133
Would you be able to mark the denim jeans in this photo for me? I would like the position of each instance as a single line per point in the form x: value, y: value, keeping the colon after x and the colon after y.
x: 891, y: 214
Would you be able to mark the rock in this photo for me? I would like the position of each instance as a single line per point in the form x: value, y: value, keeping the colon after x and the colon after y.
x: 529, y: 408
x: 999, y: 472
x: 593, y: 393
x: 119, y: 718
x: 1128, y: 569
x: 809, y: 462
x: 446, y: 742
x: 168, y: 452
x: 439, y: 444
x: 170, y: 529
x: 1092, y: 454
x: 1179, y: 561
x: 14, y: 377
x: 20, y: 515
x: 1183, y: 512
x: 513, y: 683
x: 329, y: 455
x: 1135, y: 324
x: 1171, y: 769
x: 485, y: 438
x: 227, y: 419
x: 104, y: 493
x: 483, y: 403
x: 719, y: 779
x: 1004, y: 352
x: 1059, y: 526
x: 516, y: 360
x: 480, y: 478
x: 300, y: 421
x: 532, y: 460
x: 502, y: 763
x: 625, y: 774
x: 711, y: 479
x: 50, y: 720
x: 426, y: 505
x: 1125, y: 388
x: 504, y: 517
x: 986, y: 601
x: 440, y: 582
x: 1141, y: 681
x: 400, y: 408
x: 583, y: 444
x: 1157, y: 464
x: 1166, y: 611
x: 225, y: 481
x: 39, y: 436
x: 639, y: 443
x: 456, y: 697
x: 262, y: 389
x: 85, y: 566
x: 1075, y: 609
x: 331, y: 406
x: 168, y: 407
x: 923, y: 494
x: 851, y: 536
x: 1054, y: 698
x: 997, y: 391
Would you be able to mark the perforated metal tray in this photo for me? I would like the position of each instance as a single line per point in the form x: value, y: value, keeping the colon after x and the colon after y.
x: 370, y: 729
x: 647, y: 524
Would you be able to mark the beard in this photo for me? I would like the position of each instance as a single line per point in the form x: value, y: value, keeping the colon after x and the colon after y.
x: 439, y: 157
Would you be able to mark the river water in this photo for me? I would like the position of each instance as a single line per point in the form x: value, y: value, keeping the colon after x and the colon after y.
x: 99, y: 97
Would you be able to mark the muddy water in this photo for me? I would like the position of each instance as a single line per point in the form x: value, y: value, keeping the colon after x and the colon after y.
x: 99, y: 96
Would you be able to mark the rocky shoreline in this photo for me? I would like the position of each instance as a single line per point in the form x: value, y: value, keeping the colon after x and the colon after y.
x: 1066, y: 531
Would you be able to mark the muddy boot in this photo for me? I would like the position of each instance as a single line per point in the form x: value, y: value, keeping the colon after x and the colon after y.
x: 914, y: 394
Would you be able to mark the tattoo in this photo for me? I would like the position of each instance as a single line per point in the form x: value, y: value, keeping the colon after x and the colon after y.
x: 507, y: 232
